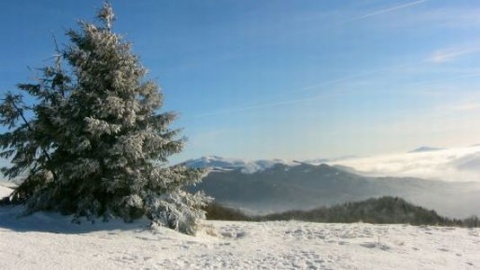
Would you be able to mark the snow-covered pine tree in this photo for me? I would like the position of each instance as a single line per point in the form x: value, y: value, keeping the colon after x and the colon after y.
x: 94, y: 143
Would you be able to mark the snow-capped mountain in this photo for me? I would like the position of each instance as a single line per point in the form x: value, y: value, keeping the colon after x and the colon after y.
x: 245, y: 166
x: 251, y: 166
x: 451, y: 164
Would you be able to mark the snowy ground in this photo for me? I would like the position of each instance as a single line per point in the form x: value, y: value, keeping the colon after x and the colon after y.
x: 51, y: 241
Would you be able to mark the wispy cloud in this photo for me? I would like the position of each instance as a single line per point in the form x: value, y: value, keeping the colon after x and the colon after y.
x: 438, y: 57
x: 443, y: 56
x: 387, y: 10
x: 467, y: 103
x: 448, y: 17
x: 341, y: 80
x: 466, y: 107
x: 355, y: 77
x: 258, y: 106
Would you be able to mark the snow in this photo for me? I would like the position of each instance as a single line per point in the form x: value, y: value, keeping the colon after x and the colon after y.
x: 455, y: 164
x: 51, y: 241
x: 4, y: 190
x: 246, y: 166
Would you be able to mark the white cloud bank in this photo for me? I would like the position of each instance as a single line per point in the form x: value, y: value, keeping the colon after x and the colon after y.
x: 456, y: 165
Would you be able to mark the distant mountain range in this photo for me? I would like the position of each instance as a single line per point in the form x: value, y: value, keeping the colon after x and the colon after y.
x: 425, y: 149
x: 251, y: 166
x: 245, y: 166
x: 266, y: 187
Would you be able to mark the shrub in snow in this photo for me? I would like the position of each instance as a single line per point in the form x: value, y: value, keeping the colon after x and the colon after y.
x: 93, y: 144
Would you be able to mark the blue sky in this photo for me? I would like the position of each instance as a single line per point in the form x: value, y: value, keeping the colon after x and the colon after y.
x: 286, y: 79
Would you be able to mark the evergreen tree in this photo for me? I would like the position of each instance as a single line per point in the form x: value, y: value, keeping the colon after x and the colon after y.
x: 94, y: 144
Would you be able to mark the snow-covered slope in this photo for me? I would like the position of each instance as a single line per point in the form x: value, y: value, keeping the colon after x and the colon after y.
x: 50, y: 241
x: 246, y: 166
